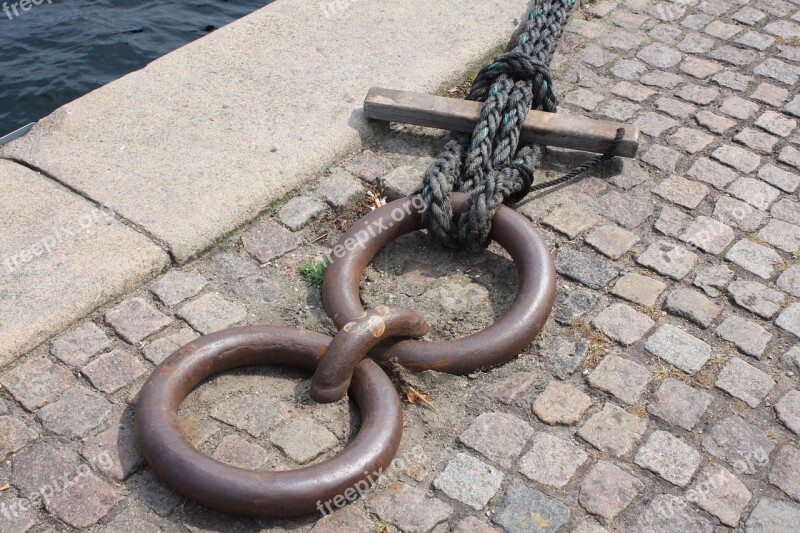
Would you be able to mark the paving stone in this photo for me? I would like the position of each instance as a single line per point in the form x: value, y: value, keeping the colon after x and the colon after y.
x: 748, y: 15
x: 697, y: 94
x: 654, y: 124
x: 791, y: 156
x: 340, y: 191
x: 712, y: 173
x: 613, y: 430
x: 671, y: 221
x: 659, y: 55
x: 211, y: 312
x: 510, y: 389
x: 681, y: 191
x: 679, y: 348
x: 693, y: 306
x: 303, y: 439
x: 672, y: 260
x: 80, y: 344
x: 596, y: 56
x: 589, y: 526
x: 35, y: 467
x: 777, y: 124
x: 788, y: 410
x: 669, y: 457
x: 586, y: 268
x: 573, y: 305
x: 612, y: 240
x: 759, y: 41
x: 744, y: 381
x: 237, y: 451
x: 527, y: 510
x: 135, y: 319
x: 469, y: 480
x: 784, y: 29
x: 738, y: 108
x: 497, y: 436
x: 742, y: 160
x: 793, y: 107
x: 785, y: 181
x: 563, y: 357
x: 754, y: 257
x: 228, y: 267
x: 677, y: 109
x: 266, y: 240
x: 670, y: 513
x: 721, y: 30
x: 607, y: 490
x: 662, y: 79
x: 790, y: 319
x: 642, y: 290
x: 14, y: 435
x: 679, y: 404
x: 787, y: 210
x: 367, y: 166
x: 115, y: 451
x: 754, y: 192
x: 789, y: 281
x: 472, y: 524
x: 770, y: 94
x: 560, y: 403
x: 738, y: 214
x: 720, y: 493
x: 3, y: 408
x: 83, y: 502
x: 624, y: 210
x: 160, y: 349
x: 631, y: 175
x: 779, y: 8
x: 782, y: 235
x: 258, y: 290
x: 788, y: 51
x: 176, y: 286
x: 748, y: 336
x: 662, y: 158
x: 713, y: 279
x: 694, y: 43
x: 76, y: 413
x: 619, y: 110
x: 696, y: 21
x: 757, y: 140
x: 773, y: 516
x: 113, y: 370
x: 583, y: 98
x: 15, y: 519
x: 733, y: 80
x: 744, y: 446
x: 700, y: 68
x: 37, y: 382
x: 785, y: 473
x: 400, y: 182
x: 254, y: 414
x: 552, y: 461
x: 709, y: 235
x: 571, y: 219
x: 623, y: 324
x: 755, y: 297
x: 734, y: 55
x: 149, y: 489
x: 133, y: 519
x: 632, y: 91
x: 408, y: 508
x: 714, y: 123
x: 348, y: 519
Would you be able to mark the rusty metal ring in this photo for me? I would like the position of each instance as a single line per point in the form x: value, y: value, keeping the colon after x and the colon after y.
x: 496, y: 344
x: 257, y: 493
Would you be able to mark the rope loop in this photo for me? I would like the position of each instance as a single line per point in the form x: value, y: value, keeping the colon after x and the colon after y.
x: 517, y: 66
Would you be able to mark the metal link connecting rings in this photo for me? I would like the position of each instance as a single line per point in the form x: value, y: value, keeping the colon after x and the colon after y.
x: 339, y: 366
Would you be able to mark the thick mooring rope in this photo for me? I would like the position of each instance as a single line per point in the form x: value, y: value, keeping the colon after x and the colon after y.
x: 490, y: 166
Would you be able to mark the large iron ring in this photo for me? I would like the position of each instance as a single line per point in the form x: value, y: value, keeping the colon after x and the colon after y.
x: 496, y: 344
x: 257, y: 493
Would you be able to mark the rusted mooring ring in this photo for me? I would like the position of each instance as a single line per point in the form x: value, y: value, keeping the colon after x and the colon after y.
x: 266, y: 494
x: 496, y: 344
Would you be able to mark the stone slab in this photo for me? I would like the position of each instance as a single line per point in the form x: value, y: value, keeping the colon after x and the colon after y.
x: 187, y: 140
x: 60, y: 258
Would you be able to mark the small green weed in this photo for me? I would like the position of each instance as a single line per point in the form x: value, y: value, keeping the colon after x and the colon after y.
x: 313, y: 271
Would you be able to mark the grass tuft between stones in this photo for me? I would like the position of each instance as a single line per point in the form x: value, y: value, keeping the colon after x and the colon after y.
x: 313, y: 271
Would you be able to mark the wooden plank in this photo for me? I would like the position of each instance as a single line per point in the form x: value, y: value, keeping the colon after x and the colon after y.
x: 552, y: 129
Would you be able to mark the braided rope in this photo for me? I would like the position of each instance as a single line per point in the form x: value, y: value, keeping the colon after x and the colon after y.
x: 490, y: 166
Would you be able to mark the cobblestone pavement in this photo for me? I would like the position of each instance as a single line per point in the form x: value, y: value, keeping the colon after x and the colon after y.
x: 661, y: 396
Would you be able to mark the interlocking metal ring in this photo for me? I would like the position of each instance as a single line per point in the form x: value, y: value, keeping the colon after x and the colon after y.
x: 496, y: 344
x: 255, y: 493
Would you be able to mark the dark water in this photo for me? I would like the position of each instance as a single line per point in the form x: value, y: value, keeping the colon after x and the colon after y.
x: 61, y: 49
